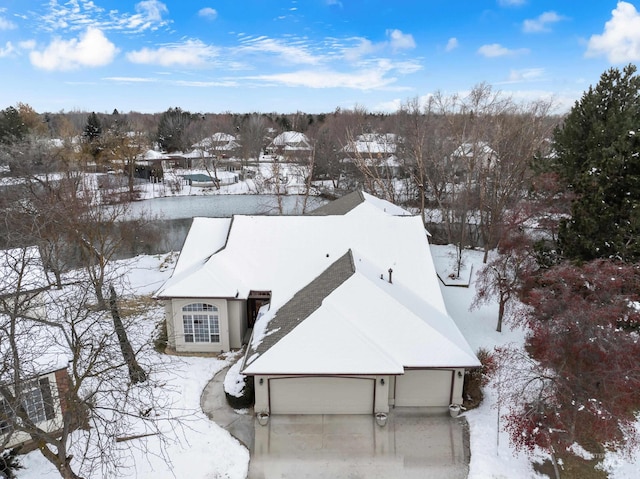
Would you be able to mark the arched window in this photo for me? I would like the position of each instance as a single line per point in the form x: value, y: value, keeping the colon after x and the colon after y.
x: 201, y: 323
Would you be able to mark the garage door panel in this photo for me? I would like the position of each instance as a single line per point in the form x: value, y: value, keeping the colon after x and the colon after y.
x: 427, y: 388
x: 321, y: 395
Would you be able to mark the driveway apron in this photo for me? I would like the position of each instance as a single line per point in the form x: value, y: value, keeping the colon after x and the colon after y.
x: 410, y: 445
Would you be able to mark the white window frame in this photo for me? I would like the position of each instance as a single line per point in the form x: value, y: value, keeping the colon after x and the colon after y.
x: 201, y: 323
x: 32, y: 397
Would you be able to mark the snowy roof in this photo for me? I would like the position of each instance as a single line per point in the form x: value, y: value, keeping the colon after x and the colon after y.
x: 372, y: 143
x: 154, y: 155
x: 197, y: 153
x: 285, y: 254
x: 291, y: 140
x: 219, y: 141
x: 469, y: 150
x: 40, y: 347
x: 309, y: 244
x: 347, y: 203
x: 396, y: 330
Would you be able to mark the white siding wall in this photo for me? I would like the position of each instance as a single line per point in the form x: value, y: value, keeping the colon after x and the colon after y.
x: 237, y: 310
x: 458, y: 382
x: 168, y: 319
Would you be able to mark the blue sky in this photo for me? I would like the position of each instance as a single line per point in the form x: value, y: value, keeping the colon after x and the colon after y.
x: 306, y: 55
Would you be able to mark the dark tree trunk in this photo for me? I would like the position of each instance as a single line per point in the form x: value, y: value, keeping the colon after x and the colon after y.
x: 136, y: 373
x: 502, y: 304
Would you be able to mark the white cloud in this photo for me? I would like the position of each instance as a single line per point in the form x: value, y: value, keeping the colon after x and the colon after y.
x: 7, y: 50
x: 527, y: 74
x: 374, y: 77
x: 496, y: 50
x: 401, y: 41
x: 76, y: 15
x: 365, y: 80
x: 189, y: 53
x: 27, y: 44
x: 290, y: 52
x: 205, y: 84
x: 91, y: 49
x: 152, y: 10
x: 452, y: 44
x: 620, y: 41
x: 6, y: 24
x: 148, y: 17
x: 541, y: 24
x: 364, y: 48
x: 208, y: 13
x: 130, y: 79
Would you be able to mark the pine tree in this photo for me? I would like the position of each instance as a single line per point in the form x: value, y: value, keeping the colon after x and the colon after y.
x: 598, y: 160
x: 172, y: 129
x: 12, y: 127
x: 92, y: 135
x: 93, y: 128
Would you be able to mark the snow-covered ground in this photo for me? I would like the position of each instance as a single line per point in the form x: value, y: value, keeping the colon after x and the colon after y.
x: 203, y: 450
x: 491, y: 454
x: 290, y: 180
x: 198, y: 448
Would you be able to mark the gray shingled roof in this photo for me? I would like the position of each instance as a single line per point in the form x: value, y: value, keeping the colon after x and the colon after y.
x: 304, y: 303
x: 341, y: 206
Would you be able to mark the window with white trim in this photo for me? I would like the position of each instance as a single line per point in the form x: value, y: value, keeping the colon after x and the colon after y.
x: 36, y: 400
x: 201, y: 323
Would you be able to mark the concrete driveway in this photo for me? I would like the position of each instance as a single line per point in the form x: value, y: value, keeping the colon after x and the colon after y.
x: 411, y: 444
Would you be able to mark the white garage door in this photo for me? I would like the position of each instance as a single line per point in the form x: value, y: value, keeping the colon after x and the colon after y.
x: 419, y: 387
x: 321, y: 395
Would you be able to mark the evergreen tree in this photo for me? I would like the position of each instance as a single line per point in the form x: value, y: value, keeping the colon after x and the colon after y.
x: 92, y: 135
x: 598, y: 161
x: 93, y: 128
x: 172, y: 130
x: 12, y: 126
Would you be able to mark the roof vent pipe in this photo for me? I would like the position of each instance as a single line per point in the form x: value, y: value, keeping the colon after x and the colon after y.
x: 390, y: 273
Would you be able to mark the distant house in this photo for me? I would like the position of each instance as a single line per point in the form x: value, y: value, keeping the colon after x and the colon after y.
x: 290, y: 146
x: 151, y: 164
x: 45, y: 378
x: 471, y: 156
x: 377, y: 151
x: 341, y: 309
x: 221, y: 144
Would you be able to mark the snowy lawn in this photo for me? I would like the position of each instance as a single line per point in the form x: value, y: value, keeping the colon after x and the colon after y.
x: 491, y: 453
x: 195, y: 447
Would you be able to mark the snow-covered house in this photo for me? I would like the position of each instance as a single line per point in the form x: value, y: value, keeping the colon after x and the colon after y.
x: 376, y: 151
x: 291, y: 146
x: 22, y: 282
x: 473, y: 156
x: 344, y: 308
x: 220, y: 144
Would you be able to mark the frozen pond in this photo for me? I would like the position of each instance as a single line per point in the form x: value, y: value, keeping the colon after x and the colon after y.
x: 181, y: 207
x: 171, y: 217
